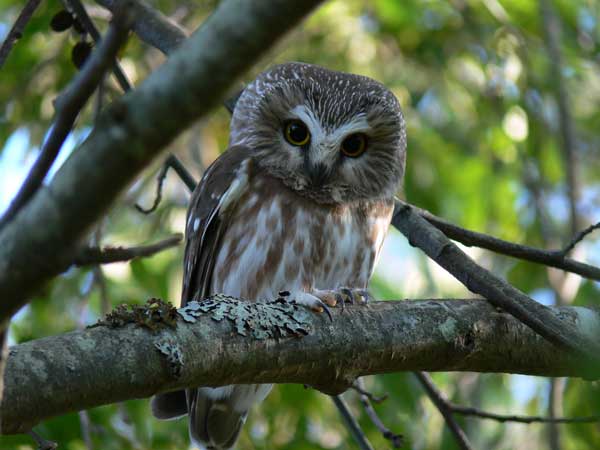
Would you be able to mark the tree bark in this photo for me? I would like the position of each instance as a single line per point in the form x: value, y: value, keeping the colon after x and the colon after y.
x: 83, y: 369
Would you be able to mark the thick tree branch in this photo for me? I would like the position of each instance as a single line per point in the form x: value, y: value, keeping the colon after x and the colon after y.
x: 106, y: 255
x: 552, y: 258
x: 68, y: 105
x: 42, y: 240
x: 152, y: 26
x: 501, y: 294
x: 83, y: 369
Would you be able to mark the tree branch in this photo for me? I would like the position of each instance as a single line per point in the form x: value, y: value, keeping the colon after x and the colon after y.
x: 102, y: 365
x: 17, y: 29
x: 498, y: 292
x: 552, y: 258
x: 42, y: 240
x: 68, y: 105
x: 475, y: 412
x: 396, y: 440
x: 152, y: 26
x: 96, y: 255
x: 351, y: 423
x: 441, y: 404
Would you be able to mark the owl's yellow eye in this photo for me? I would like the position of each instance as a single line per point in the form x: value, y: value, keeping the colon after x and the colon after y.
x: 354, y: 145
x: 296, y: 133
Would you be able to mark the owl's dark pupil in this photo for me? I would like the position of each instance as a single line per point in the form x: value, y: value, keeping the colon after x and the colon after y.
x: 297, y: 131
x: 353, y: 144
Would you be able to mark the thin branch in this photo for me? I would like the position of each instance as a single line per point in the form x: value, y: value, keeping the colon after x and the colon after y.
x: 351, y: 423
x: 396, y: 440
x: 442, y: 405
x: 130, y: 134
x: 579, y: 237
x: 86, y: 431
x: 95, y: 255
x: 434, y: 335
x: 152, y: 26
x: 187, y: 178
x: 16, y: 32
x: 437, y: 246
x: 160, y: 181
x: 68, y: 106
x: 43, y: 444
x: 552, y: 258
x: 172, y: 162
x: 80, y: 12
x: 358, y: 387
x: 475, y: 412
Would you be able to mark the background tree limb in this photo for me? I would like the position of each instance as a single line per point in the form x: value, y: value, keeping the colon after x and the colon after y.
x: 497, y: 291
x: 83, y: 369
x: 152, y: 26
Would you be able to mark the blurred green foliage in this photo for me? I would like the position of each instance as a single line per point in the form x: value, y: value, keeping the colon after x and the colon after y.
x: 474, y: 80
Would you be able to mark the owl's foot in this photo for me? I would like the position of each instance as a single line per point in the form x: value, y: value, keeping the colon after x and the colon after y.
x: 343, y: 295
x: 309, y: 300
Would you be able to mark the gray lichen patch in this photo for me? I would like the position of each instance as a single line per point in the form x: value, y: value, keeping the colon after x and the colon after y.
x: 173, y: 354
x: 154, y: 314
x: 262, y: 319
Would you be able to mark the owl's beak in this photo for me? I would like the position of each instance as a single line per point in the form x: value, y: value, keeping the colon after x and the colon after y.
x: 318, y: 174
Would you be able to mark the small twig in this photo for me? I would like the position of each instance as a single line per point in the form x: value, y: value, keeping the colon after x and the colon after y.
x: 442, y: 405
x: 358, y: 387
x: 160, y: 181
x: 17, y: 29
x: 182, y: 172
x: 88, y: 24
x: 552, y: 258
x: 43, y: 444
x: 68, y: 105
x: 95, y: 255
x: 172, y: 162
x: 351, y: 423
x: 579, y: 237
x: 396, y: 440
x: 475, y: 412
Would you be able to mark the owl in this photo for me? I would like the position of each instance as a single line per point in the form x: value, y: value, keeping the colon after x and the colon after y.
x: 299, y: 202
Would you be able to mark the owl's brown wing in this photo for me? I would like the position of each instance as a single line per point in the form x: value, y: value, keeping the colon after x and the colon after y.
x: 220, y: 187
x: 222, y: 184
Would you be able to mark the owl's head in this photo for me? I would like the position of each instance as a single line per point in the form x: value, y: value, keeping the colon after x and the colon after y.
x: 334, y: 137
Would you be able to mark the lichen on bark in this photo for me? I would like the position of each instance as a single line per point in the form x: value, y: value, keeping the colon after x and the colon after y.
x: 261, y: 319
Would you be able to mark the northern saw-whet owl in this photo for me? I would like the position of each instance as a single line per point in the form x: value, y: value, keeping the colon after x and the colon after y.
x: 300, y: 202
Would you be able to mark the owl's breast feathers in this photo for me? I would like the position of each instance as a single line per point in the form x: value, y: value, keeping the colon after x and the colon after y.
x: 248, y: 235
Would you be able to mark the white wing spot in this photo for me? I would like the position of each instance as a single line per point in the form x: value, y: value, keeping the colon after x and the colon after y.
x: 196, y: 224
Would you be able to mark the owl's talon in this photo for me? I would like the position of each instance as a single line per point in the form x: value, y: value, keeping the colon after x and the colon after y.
x: 349, y: 295
x: 365, y: 296
x: 309, y: 300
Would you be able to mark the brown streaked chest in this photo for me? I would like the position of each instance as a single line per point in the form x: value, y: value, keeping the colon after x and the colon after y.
x: 277, y: 240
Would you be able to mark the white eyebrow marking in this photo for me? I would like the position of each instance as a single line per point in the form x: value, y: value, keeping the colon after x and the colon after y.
x: 357, y: 124
x: 312, y: 122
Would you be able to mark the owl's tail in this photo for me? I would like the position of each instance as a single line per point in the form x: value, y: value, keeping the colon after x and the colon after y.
x: 216, y: 415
